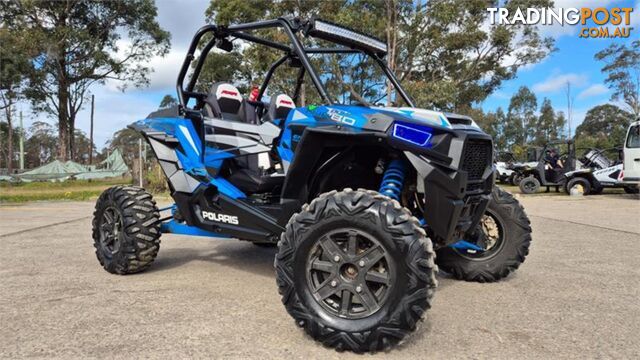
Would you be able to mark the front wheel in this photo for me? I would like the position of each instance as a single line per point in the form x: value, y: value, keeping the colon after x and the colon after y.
x: 126, y: 230
x: 356, y: 270
x: 529, y: 185
x: 505, y: 235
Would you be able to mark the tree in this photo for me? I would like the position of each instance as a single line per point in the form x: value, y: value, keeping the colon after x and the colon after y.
x: 549, y: 125
x: 521, y: 117
x: 83, y: 147
x: 80, y: 43
x: 41, y: 144
x: 606, y: 126
x: 440, y: 50
x: 13, y: 67
x: 452, y: 60
x: 622, y: 66
x: 126, y: 140
x: 168, y: 101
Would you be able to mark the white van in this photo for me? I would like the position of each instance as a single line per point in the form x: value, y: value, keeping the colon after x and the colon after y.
x: 631, y: 170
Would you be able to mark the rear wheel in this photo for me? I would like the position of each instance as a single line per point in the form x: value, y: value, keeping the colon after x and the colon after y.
x: 356, y: 270
x: 631, y: 189
x: 529, y: 185
x: 505, y: 235
x: 126, y: 230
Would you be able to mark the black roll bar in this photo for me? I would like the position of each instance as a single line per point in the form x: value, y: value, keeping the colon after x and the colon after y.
x: 267, y: 77
x: 187, y: 61
x: 290, y: 27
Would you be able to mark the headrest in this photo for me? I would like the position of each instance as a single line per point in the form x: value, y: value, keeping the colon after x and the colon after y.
x: 226, y: 91
x: 280, y: 106
x: 224, y: 98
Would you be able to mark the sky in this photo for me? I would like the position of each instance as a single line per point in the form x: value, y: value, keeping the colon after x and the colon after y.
x: 573, y: 61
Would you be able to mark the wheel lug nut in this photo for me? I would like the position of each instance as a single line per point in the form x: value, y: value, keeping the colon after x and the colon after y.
x: 334, y: 283
x: 361, y: 263
x: 358, y: 288
x: 336, y: 258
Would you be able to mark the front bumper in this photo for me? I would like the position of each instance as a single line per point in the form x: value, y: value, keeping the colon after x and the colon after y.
x: 455, y: 195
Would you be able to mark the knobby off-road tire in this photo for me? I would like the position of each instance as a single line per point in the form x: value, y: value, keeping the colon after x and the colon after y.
x: 529, y: 185
x: 408, y: 284
x: 509, y: 251
x: 126, y: 230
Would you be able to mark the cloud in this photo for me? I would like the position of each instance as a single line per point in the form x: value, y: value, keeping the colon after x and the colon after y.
x: 593, y: 90
x: 557, y: 82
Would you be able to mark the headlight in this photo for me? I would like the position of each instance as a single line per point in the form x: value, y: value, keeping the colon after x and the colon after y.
x: 412, y: 133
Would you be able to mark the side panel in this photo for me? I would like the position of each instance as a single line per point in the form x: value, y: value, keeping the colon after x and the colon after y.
x: 209, y: 203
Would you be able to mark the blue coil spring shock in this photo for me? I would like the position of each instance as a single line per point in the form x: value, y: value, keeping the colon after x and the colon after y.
x: 393, y: 179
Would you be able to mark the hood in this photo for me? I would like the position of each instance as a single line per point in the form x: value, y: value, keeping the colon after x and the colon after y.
x: 371, y: 118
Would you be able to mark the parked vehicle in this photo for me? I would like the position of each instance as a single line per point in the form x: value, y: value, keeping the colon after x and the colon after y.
x: 596, y: 171
x: 534, y: 154
x: 504, y: 161
x: 549, y: 170
x: 631, y: 156
x: 357, y: 197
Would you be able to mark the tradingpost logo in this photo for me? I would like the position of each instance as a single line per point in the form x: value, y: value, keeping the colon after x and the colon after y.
x: 597, y: 22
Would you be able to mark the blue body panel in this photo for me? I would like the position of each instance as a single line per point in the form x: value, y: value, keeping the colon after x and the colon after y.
x: 357, y: 118
x: 190, y: 152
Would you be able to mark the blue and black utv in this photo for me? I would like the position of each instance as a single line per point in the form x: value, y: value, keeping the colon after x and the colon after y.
x: 358, y: 196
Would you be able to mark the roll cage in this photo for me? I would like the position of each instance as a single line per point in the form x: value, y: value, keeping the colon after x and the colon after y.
x: 222, y: 37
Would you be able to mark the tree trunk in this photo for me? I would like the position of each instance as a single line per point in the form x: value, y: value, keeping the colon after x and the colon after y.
x: 391, y: 31
x: 72, y: 137
x: 63, y: 122
x: 9, y: 140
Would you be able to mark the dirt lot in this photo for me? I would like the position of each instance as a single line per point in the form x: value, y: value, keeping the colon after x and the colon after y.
x: 575, y: 296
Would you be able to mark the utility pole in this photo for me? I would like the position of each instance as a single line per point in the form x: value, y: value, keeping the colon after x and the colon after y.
x: 91, y: 132
x: 140, y: 161
x: 21, y: 143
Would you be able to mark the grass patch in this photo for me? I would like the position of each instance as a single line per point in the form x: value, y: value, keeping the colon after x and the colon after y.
x: 67, y: 190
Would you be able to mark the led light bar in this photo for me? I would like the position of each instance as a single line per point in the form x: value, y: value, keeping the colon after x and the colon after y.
x: 331, y: 32
x: 415, y: 134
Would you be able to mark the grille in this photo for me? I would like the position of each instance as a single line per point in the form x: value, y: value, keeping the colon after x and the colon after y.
x: 476, y: 157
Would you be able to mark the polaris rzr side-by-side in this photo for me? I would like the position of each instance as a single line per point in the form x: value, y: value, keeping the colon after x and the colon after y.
x: 358, y: 197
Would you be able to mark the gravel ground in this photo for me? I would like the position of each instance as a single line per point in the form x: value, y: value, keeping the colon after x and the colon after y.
x: 575, y: 296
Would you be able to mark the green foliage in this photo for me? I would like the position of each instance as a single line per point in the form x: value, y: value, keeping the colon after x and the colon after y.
x: 549, y: 125
x: 440, y: 50
x: 155, y: 180
x: 521, y: 117
x: 622, y: 67
x: 66, y: 190
x: 168, y: 101
x: 127, y: 140
x: 75, y: 44
x: 604, y: 127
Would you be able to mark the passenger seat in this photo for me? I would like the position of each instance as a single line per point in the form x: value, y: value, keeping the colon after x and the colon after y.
x: 279, y: 108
